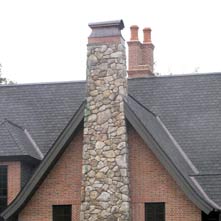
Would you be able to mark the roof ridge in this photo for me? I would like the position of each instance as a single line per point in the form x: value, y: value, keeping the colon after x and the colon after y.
x: 176, y: 75
x: 42, y: 83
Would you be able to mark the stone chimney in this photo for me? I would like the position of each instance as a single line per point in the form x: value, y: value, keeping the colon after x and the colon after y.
x: 105, y: 182
x: 140, y: 54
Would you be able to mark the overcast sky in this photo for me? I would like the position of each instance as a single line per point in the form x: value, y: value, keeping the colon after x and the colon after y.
x: 45, y: 40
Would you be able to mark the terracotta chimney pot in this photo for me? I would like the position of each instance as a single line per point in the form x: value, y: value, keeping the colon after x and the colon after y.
x: 134, y: 33
x: 147, y: 35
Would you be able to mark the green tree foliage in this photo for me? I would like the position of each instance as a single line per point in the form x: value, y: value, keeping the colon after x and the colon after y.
x: 4, y: 80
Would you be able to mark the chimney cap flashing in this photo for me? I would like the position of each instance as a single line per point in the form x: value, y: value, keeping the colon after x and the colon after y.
x: 117, y: 23
x: 106, y: 29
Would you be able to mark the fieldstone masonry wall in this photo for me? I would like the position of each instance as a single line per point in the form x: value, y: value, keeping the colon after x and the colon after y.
x: 105, y: 188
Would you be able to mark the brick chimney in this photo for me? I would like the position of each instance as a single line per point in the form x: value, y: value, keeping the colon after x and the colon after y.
x: 105, y: 182
x: 140, y: 54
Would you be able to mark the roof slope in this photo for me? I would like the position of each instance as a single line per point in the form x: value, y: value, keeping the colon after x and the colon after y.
x: 44, y: 109
x: 167, y: 150
x: 190, y: 107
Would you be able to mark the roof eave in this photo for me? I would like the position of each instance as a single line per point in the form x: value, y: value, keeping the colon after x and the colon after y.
x: 27, y: 158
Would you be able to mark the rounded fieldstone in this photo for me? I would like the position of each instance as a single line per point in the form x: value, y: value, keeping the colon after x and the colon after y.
x: 121, y: 130
x: 103, y: 116
x: 104, y: 205
x: 107, y: 93
x: 99, y: 145
x: 91, y: 174
x: 94, y: 163
x: 121, y: 161
x: 93, y: 195
x: 100, y: 175
x: 100, y: 165
x: 125, y: 198
x: 104, y: 197
x: 92, y: 60
x: 93, y: 93
x: 110, y: 174
x: 108, y: 51
x: 98, y: 55
x: 104, y: 170
x: 124, y: 189
x: 125, y: 207
x: 103, y: 48
x: 109, y: 154
x: 121, y: 47
x: 117, y: 54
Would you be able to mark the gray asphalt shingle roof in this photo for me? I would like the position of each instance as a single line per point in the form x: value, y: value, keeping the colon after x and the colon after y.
x: 8, y: 143
x: 157, y: 130
x: 16, y: 141
x: 188, y: 106
x: 212, y: 186
x: 43, y: 109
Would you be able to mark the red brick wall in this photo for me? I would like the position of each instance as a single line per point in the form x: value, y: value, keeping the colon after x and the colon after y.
x: 140, y: 59
x: 147, y: 55
x: 134, y: 54
x: 150, y: 182
x: 61, y: 186
x: 14, y: 178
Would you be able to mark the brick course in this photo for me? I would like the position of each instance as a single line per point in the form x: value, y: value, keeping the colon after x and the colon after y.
x: 62, y: 186
x: 150, y: 182
x: 14, y: 178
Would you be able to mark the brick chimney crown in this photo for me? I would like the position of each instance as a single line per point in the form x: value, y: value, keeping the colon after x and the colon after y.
x: 140, y: 62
